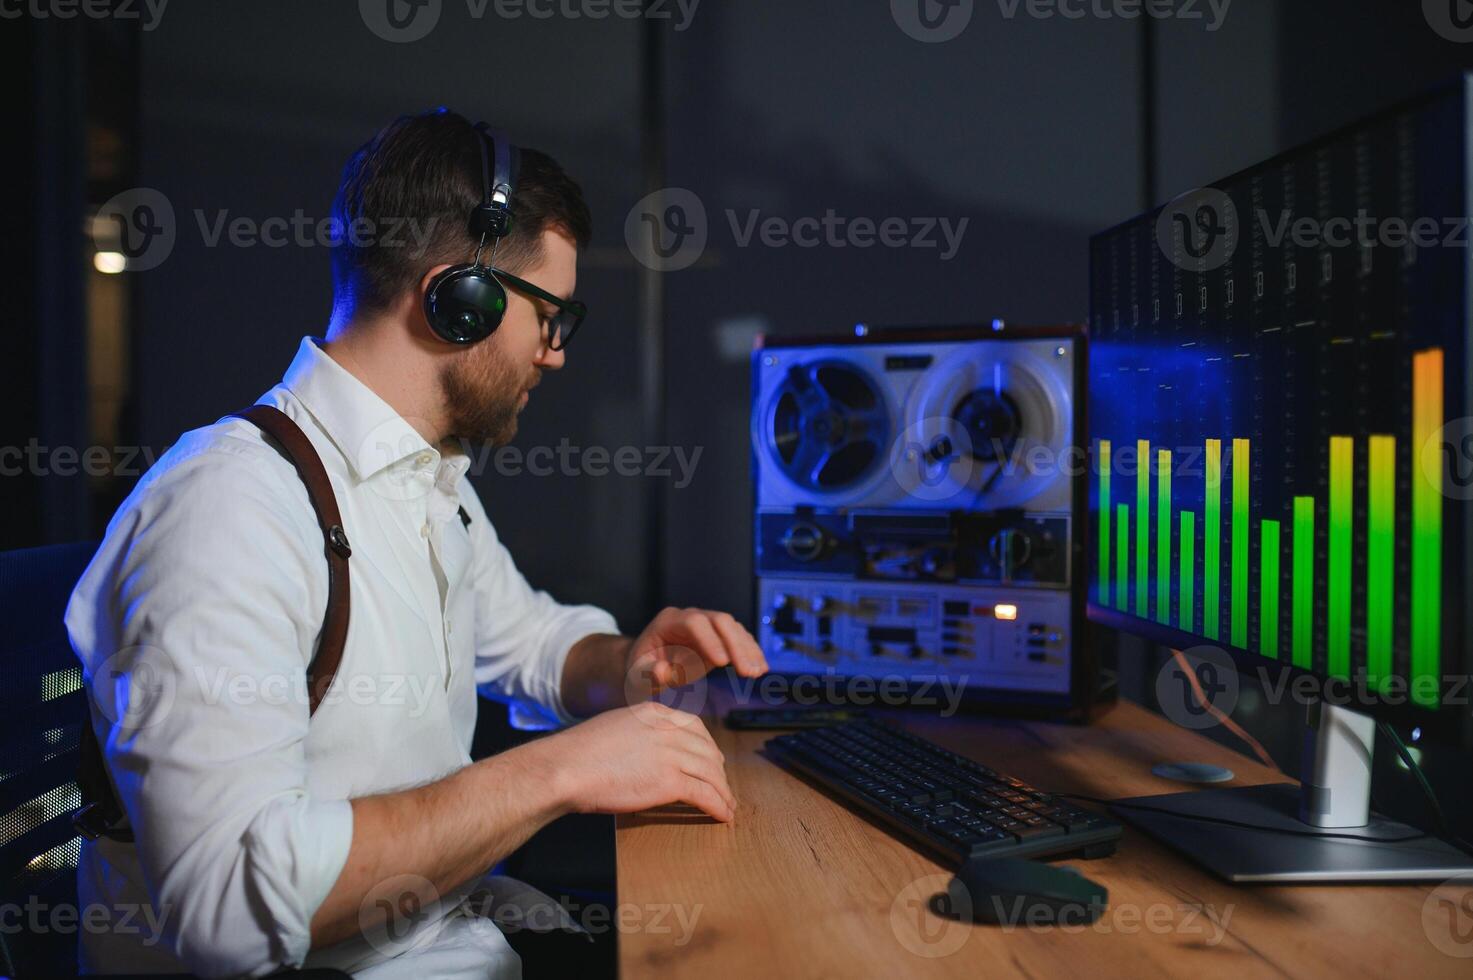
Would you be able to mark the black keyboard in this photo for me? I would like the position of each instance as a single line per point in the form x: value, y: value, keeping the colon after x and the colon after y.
x: 944, y: 802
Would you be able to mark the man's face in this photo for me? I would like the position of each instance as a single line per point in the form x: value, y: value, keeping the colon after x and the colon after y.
x: 489, y: 383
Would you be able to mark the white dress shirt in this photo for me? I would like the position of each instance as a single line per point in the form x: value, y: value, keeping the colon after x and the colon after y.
x: 195, y: 623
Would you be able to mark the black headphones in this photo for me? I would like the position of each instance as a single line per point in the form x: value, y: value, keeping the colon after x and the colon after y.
x: 465, y: 303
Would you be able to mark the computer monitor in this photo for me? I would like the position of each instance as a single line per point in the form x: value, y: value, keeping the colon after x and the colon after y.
x: 1279, y: 410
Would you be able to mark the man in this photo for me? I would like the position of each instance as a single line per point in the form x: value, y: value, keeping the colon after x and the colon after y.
x: 266, y: 836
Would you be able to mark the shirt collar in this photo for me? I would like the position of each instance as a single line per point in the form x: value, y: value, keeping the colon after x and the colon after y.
x: 371, y: 435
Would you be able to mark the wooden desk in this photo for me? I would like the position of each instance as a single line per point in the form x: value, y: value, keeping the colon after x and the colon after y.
x: 799, y: 886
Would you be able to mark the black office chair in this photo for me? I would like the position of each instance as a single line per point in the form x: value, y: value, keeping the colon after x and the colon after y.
x: 42, y: 709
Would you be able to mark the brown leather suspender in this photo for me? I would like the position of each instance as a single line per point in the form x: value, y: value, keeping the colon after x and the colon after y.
x: 298, y: 448
x: 101, y: 812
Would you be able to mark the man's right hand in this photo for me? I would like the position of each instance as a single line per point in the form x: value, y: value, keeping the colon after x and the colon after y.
x: 636, y: 758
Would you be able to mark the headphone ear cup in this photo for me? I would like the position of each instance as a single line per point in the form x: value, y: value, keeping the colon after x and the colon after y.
x: 464, y: 304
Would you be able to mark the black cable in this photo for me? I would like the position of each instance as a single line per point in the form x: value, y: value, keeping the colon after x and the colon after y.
x: 1439, y: 819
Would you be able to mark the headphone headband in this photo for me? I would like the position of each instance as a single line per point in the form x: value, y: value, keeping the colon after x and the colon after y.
x: 492, y: 218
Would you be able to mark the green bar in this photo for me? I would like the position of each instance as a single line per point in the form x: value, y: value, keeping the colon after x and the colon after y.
x: 1342, y: 516
x: 1303, y: 584
x: 1142, y: 527
x: 1186, y: 619
x: 1163, y: 536
x: 1268, y: 589
x: 1240, y: 544
x: 1426, y: 584
x: 1104, y: 463
x: 1212, y: 539
x: 1122, y: 550
x: 1380, y: 556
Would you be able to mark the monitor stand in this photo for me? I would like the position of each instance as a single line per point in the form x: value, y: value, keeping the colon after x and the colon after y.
x: 1334, y: 797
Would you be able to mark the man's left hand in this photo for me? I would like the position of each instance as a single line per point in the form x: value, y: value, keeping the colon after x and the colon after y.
x: 680, y: 646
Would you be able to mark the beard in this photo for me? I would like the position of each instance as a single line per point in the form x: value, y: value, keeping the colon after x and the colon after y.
x: 484, y: 394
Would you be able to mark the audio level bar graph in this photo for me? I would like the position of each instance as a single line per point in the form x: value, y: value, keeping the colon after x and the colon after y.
x: 1319, y: 542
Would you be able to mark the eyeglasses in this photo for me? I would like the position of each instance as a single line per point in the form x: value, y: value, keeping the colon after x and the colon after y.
x: 564, y: 323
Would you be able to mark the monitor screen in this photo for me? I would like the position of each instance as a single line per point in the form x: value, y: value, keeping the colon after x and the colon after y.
x: 1282, y: 457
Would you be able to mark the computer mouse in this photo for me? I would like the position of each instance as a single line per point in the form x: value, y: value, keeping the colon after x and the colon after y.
x: 1014, y: 891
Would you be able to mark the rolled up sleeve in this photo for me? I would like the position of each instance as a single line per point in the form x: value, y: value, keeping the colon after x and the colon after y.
x: 195, y: 624
x: 523, y: 635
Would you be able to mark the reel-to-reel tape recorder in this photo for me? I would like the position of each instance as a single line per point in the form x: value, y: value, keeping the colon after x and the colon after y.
x: 918, y: 496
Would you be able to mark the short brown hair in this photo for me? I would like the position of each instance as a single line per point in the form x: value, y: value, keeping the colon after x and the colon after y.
x: 413, y: 187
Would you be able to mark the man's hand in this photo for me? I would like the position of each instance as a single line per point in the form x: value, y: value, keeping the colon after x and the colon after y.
x: 636, y: 758
x: 680, y: 646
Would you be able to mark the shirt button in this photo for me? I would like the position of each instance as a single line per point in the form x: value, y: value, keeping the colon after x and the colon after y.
x: 423, y: 459
x: 448, y: 628
x: 424, y: 530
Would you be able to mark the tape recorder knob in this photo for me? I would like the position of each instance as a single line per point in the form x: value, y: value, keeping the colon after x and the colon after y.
x: 805, y: 542
x: 1011, y: 549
